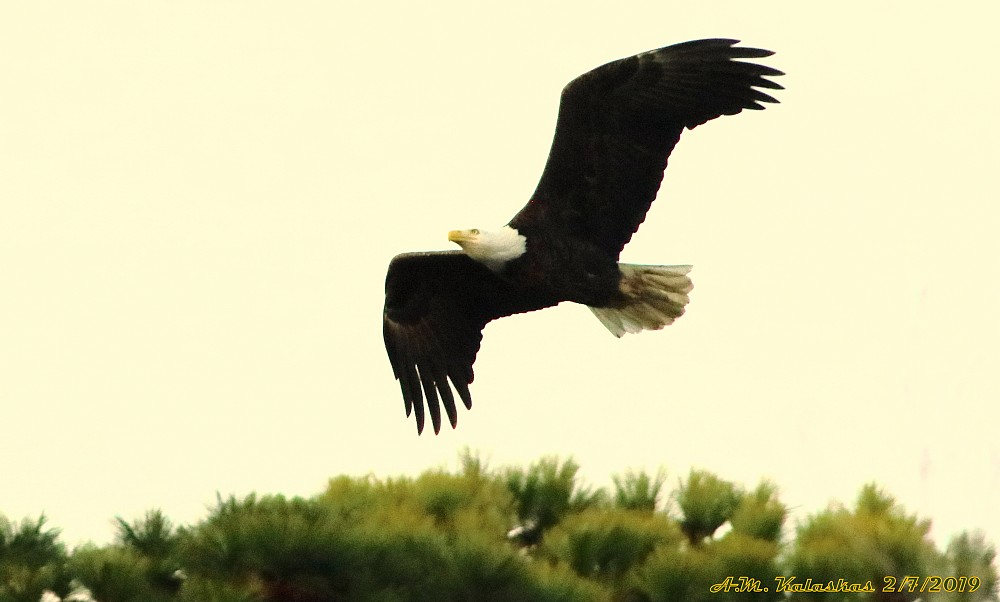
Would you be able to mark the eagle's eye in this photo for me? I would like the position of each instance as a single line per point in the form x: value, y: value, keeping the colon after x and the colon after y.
x: 475, y: 232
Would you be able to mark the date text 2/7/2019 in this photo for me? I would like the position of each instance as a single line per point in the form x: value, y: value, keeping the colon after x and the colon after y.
x: 931, y: 583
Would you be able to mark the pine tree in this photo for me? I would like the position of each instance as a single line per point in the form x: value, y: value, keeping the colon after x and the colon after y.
x: 877, y: 543
x: 443, y: 536
x: 706, y: 502
x: 638, y: 491
x: 31, y: 560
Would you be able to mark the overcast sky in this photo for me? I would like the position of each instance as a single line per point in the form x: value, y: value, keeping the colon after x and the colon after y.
x: 199, y: 201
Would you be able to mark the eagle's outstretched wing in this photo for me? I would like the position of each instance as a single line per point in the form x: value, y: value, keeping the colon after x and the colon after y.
x: 436, y: 305
x: 618, y: 124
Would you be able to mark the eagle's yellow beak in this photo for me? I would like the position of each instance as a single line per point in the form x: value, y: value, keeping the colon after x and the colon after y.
x: 458, y: 236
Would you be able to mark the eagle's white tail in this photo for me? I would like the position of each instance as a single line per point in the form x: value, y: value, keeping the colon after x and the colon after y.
x: 656, y: 296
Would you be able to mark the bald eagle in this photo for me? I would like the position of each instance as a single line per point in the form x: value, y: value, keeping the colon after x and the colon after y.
x: 617, y: 125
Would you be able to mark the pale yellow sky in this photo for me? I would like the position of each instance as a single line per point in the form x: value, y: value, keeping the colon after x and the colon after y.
x: 198, y: 202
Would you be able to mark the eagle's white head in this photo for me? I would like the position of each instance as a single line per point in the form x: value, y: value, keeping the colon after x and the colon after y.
x: 492, y: 248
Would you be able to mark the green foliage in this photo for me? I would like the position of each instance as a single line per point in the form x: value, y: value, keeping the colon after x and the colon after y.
x: 672, y: 573
x: 31, y: 560
x: 760, y: 514
x: 119, y: 574
x: 437, y: 537
x: 605, y: 544
x: 743, y: 555
x: 547, y: 491
x: 705, y: 502
x: 151, y: 535
x: 638, y: 491
x: 689, y: 574
x: 152, y: 538
x: 969, y: 555
x: 875, y: 541
x: 200, y: 589
x: 443, y: 536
